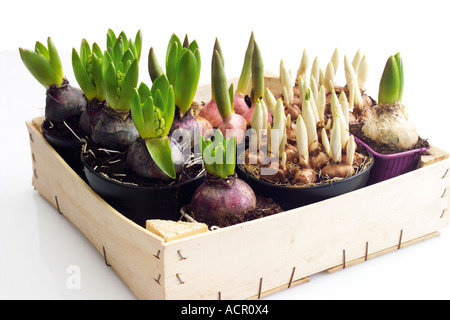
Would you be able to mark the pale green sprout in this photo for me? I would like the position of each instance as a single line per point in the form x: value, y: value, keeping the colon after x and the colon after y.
x: 302, y: 141
x: 356, y: 61
x: 329, y: 77
x: 363, y: 72
x: 335, y: 60
x: 335, y: 141
x: 270, y: 99
x: 301, y: 71
x: 153, y: 111
x: 310, y: 123
x: 286, y: 82
x: 315, y: 71
x: 338, y: 115
x: 351, y: 77
x: 87, y: 68
x: 44, y: 63
x: 259, y: 123
x: 219, y: 155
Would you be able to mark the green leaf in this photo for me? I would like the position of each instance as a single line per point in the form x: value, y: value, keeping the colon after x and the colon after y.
x: 244, y: 79
x: 128, y: 57
x: 161, y: 153
x: 186, y: 82
x: 174, y: 44
x: 399, y: 60
x: 138, y: 44
x: 41, y: 49
x: 257, y: 74
x: 82, y: 77
x: 110, y: 86
x: 169, y: 112
x: 390, y: 83
x: 154, y: 69
x: 219, y: 50
x: 118, y: 51
x: 144, y: 91
x: 110, y: 39
x: 129, y: 84
x: 171, y: 62
x: 136, y: 113
x: 98, y: 78
x: 219, y: 82
x: 230, y: 158
x: 96, y: 50
x: 40, y: 68
x: 148, y: 112
x: 85, y: 52
x: 55, y: 60
x: 162, y: 84
x: 107, y: 60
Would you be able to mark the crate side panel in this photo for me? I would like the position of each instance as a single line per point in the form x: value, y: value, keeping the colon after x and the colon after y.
x: 246, y: 259
x: 133, y: 252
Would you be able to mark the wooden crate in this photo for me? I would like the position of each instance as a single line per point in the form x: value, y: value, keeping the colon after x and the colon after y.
x: 256, y: 258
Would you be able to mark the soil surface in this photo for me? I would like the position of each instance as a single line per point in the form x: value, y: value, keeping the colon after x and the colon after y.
x: 61, y: 130
x: 356, y: 130
x: 264, y: 207
x: 113, y: 164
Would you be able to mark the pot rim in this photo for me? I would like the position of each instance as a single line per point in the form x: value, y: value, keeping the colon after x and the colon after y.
x: 320, y: 186
x: 125, y: 185
x: 75, y: 140
x: 391, y: 155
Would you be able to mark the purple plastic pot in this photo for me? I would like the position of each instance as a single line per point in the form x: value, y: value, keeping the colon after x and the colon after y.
x: 387, y: 166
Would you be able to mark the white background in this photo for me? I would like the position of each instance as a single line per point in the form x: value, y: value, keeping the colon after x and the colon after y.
x: 38, y: 246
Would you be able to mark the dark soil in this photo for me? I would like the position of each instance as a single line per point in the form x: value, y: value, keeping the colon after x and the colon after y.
x: 113, y: 164
x: 264, y: 207
x: 356, y: 130
x: 60, y: 130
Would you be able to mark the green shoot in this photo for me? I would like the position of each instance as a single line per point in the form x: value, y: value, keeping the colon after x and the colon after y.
x: 244, y: 79
x: 219, y: 155
x: 391, y: 83
x: 153, y: 111
x: 223, y: 95
x: 87, y: 67
x: 44, y: 63
x: 183, y: 71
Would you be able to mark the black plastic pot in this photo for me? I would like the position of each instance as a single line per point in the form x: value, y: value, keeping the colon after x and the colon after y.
x: 68, y: 149
x: 139, y: 203
x: 294, y: 197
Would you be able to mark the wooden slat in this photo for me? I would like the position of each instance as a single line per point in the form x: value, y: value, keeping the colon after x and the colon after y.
x: 129, y: 249
x: 311, y: 239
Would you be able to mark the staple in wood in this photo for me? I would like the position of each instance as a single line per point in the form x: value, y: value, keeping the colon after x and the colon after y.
x: 104, y: 256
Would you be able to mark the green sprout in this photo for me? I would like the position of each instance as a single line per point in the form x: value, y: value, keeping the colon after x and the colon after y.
x: 117, y: 46
x: 391, y: 83
x: 183, y: 71
x: 257, y: 74
x: 154, y: 69
x: 44, y: 63
x: 87, y: 67
x: 219, y: 155
x: 153, y: 111
x: 246, y: 73
x: 120, y: 70
x: 223, y: 96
